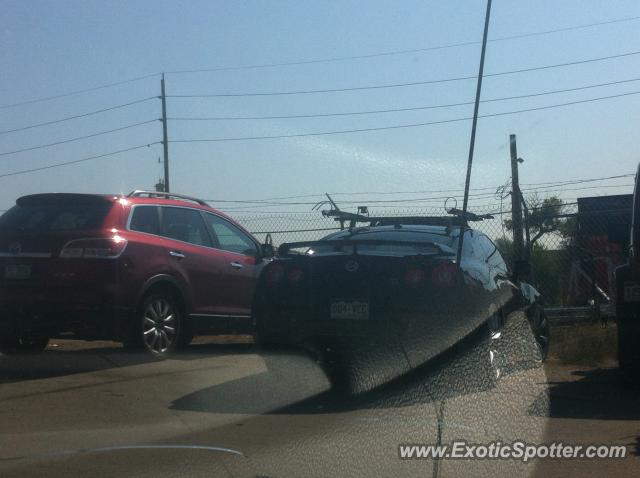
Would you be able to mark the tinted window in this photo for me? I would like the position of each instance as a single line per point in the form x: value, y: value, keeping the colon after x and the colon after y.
x: 184, y: 225
x: 334, y: 247
x: 391, y: 234
x: 145, y: 219
x: 54, y: 217
x: 230, y: 238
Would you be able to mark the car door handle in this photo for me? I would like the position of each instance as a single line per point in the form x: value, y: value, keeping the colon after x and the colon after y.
x: 177, y: 254
x: 237, y: 265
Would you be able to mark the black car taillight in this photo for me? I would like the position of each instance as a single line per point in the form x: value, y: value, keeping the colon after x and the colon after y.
x: 414, y: 277
x: 274, y: 274
x: 444, y: 274
x: 94, y: 248
x: 295, y: 276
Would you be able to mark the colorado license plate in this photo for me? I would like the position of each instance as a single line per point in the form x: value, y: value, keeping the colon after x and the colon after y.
x: 632, y: 291
x: 349, y: 309
x: 17, y: 271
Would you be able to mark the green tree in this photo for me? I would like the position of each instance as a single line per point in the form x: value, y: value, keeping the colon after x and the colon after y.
x: 547, y: 266
x: 545, y: 217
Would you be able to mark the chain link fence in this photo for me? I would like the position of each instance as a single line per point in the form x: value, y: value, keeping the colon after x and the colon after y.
x: 574, y: 248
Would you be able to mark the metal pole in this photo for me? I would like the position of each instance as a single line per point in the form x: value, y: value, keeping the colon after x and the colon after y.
x: 516, y: 204
x: 527, y: 230
x: 165, y: 141
x: 473, y: 131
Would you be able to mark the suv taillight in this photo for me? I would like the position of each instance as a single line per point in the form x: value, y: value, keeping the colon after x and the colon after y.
x: 99, y: 248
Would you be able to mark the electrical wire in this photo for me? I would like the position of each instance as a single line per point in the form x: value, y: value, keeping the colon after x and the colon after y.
x: 78, y: 92
x: 398, y: 110
x: 70, y: 140
x: 83, y: 115
x: 322, y: 60
x: 403, y: 85
x: 403, y: 126
x: 256, y: 205
x: 66, y: 163
x: 489, y: 188
x: 400, y: 52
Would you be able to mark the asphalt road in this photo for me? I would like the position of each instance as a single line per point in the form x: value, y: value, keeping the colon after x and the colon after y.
x: 91, y: 409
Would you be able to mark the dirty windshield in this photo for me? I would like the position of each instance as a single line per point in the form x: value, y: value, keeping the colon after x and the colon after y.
x: 318, y: 239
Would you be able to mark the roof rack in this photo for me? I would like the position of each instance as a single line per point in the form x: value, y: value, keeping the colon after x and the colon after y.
x: 456, y: 217
x: 160, y: 194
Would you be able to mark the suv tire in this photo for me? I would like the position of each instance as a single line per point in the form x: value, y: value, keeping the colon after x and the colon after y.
x: 158, y: 323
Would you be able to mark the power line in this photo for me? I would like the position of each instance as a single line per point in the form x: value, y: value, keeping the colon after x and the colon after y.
x: 67, y: 163
x: 322, y: 60
x: 481, y: 207
x: 78, y: 92
x: 567, y: 182
x: 400, y: 52
x: 580, y: 181
x: 83, y: 115
x: 249, y: 203
x: 78, y: 138
x: 398, y: 110
x: 402, y: 85
x: 403, y: 126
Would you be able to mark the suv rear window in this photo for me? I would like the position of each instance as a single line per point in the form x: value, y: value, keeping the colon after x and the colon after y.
x: 42, y: 218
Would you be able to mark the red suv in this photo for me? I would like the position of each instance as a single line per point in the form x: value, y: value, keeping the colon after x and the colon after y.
x: 148, y: 269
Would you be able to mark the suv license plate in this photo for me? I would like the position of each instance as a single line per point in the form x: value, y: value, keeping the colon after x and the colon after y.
x: 632, y: 291
x: 17, y: 271
x: 350, y: 309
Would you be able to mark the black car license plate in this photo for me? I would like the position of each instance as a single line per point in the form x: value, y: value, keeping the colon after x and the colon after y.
x: 632, y: 291
x: 17, y: 271
x: 349, y: 309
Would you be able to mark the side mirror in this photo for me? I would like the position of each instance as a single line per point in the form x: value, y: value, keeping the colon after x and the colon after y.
x: 267, y: 251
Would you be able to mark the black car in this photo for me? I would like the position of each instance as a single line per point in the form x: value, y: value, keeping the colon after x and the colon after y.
x: 395, y: 283
x: 628, y: 298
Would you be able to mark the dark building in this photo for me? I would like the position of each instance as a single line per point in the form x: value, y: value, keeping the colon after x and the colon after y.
x: 599, y: 246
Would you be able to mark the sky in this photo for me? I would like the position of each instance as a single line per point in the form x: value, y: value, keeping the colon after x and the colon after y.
x: 55, y: 48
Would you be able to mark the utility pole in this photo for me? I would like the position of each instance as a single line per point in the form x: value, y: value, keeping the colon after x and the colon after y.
x: 472, y: 142
x: 516, y: 208
x: 165, y: 141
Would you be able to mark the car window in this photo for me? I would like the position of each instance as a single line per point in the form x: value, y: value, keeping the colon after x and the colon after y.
x: 184, y: 225
x: 393, y: 234
x: 53, y: 217
x: 334, y: 247
x: 229, y: 237
x: 145, y: 219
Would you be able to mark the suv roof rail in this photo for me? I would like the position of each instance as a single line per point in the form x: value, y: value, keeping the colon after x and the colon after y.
x: 150, y: 194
